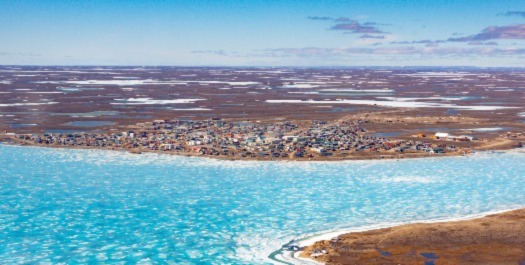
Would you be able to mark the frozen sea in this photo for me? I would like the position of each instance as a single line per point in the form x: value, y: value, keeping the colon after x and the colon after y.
x: 92, y: 206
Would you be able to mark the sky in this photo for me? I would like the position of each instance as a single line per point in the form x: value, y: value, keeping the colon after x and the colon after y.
x: 481, y: 33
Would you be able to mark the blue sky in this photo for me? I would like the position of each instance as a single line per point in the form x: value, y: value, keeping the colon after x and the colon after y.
x: 263, y: 33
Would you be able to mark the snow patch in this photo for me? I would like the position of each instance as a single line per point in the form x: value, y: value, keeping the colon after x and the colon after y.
x: 150, y: 101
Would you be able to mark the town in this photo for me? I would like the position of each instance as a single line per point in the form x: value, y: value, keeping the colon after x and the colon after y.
x: 243, y: 139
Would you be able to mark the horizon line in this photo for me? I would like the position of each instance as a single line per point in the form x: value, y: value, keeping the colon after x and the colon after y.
x: 262, y: 66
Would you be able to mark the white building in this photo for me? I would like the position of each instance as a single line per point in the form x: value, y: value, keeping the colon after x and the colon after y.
x: 441, y: 135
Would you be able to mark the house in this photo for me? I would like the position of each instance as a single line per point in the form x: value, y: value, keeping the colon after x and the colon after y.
x: 168, y: 146
x: 438, y: 151
x: 194, y: 142
x: 289, y: 137
x: 272, y: 140
x: 319, y: 150
x: 389, y: 145
x: 467, y: 138
x: 295, y: 154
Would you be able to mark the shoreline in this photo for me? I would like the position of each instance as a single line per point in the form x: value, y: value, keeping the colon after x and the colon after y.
x: 294, y: 256
x: 226, y: 159
x: 378, y: 157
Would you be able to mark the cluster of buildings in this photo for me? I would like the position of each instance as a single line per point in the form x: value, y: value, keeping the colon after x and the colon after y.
x: 216, y: 137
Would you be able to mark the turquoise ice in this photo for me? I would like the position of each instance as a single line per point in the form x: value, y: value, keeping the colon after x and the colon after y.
x: 92, y: 206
